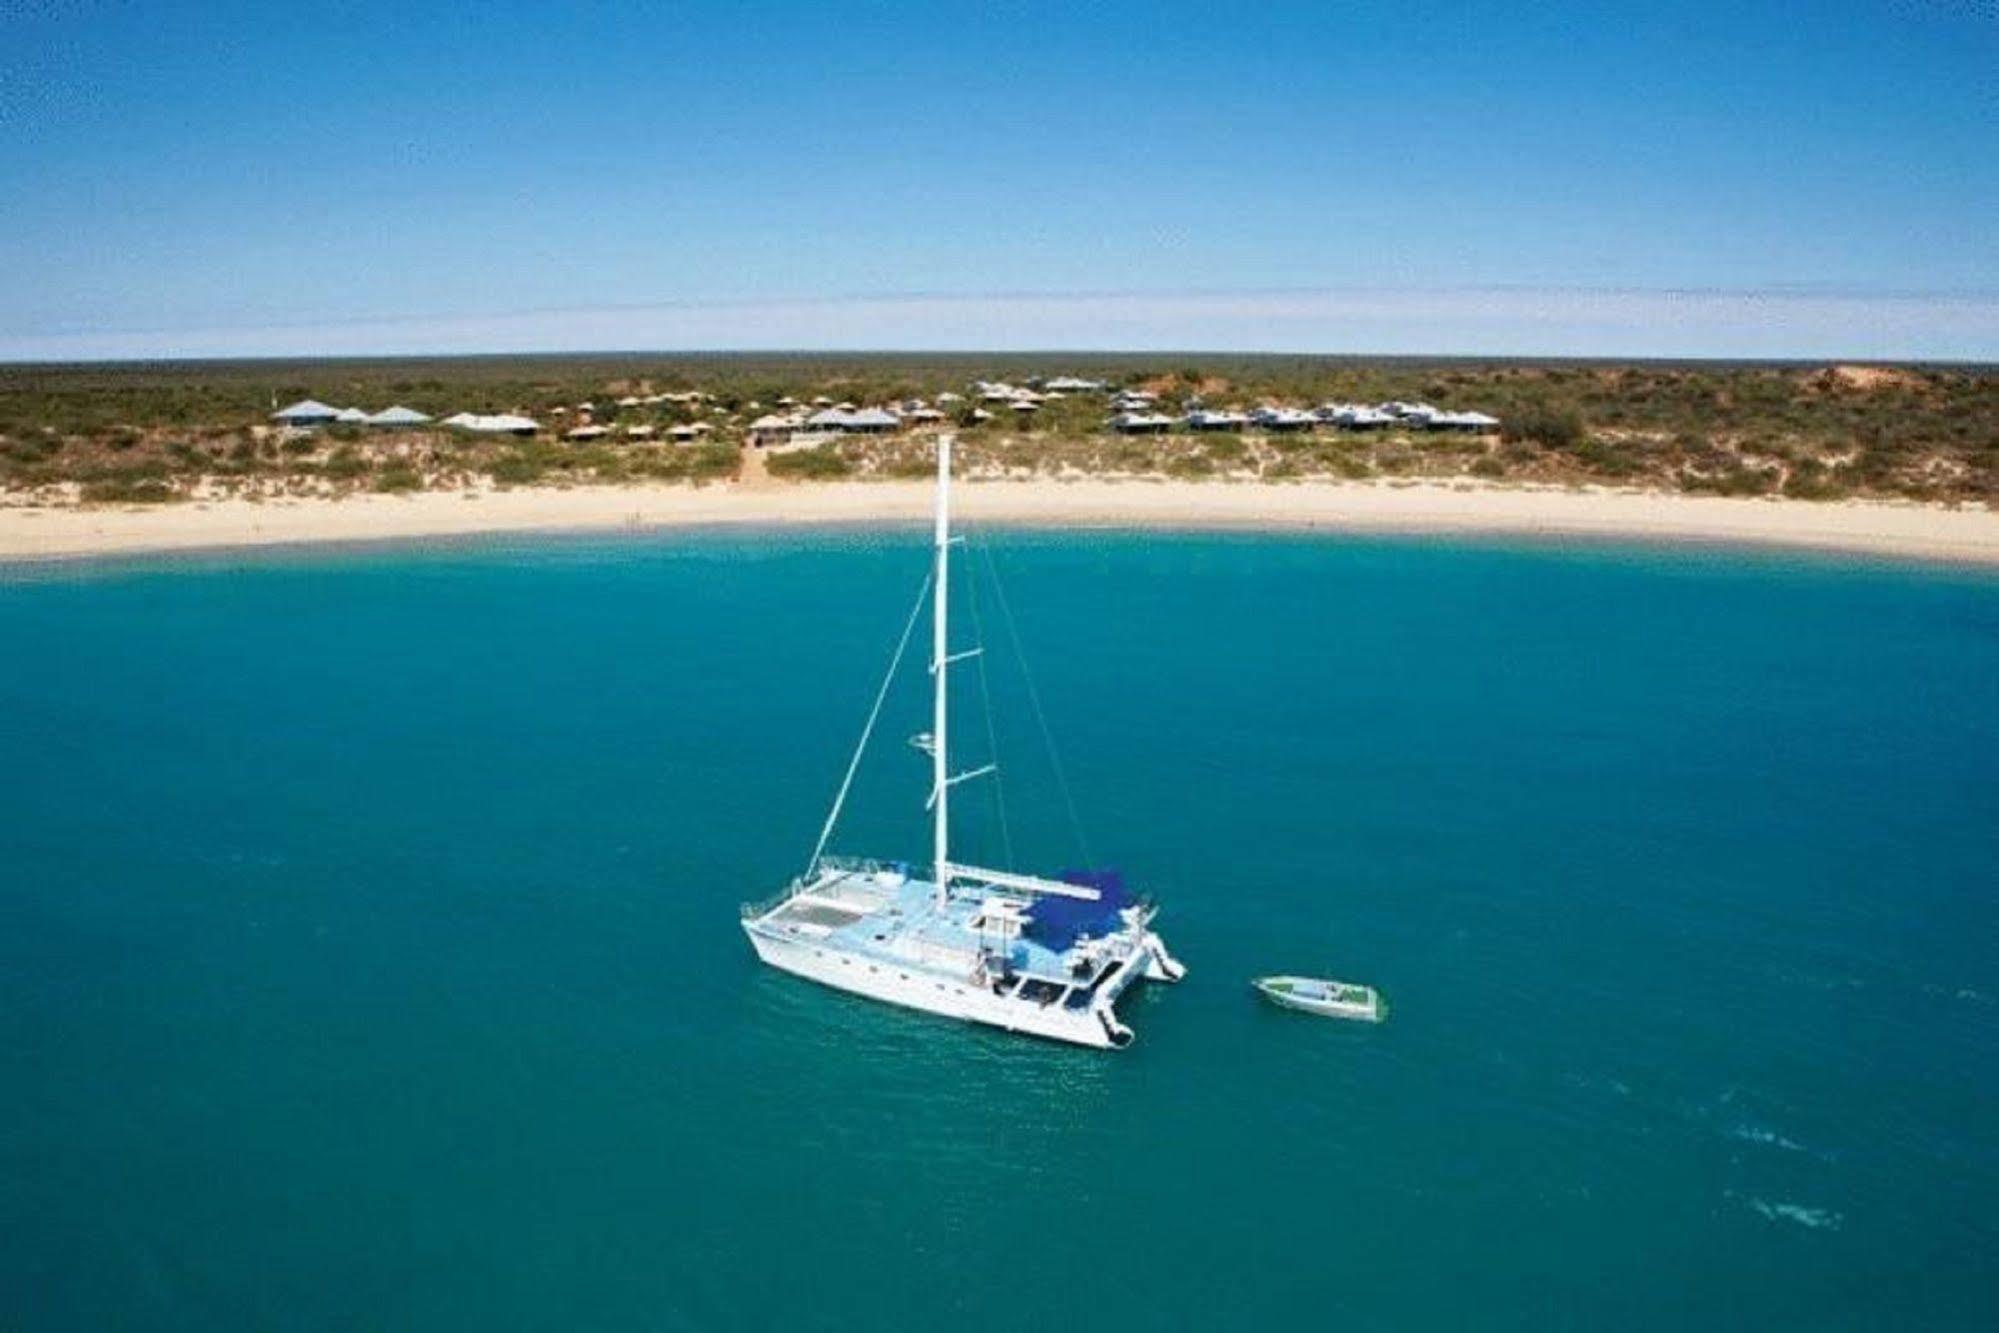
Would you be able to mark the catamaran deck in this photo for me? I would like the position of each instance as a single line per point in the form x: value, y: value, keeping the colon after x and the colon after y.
x: 886, y: 917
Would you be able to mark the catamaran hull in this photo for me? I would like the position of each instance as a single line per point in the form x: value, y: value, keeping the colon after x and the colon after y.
x: 1096, y: 1026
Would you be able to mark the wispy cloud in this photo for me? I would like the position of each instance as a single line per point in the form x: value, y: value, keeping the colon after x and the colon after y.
x: 1496, y: 321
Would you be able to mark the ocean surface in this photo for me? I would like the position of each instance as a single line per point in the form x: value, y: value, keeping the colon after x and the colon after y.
x: 369, y: 954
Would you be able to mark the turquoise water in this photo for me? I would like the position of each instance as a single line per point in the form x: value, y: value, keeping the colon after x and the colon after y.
x: 369, y: 957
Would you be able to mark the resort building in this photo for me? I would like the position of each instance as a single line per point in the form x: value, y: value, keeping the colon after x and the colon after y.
x: 1354, y: 416
x: 1141, y: 423
x: 398, y: 417
x: 774, y: 429
x: 499, y: 423
x: 587, y: 433
x: 872, y: 421
x: 306, y: 414
x: 1472, y: 423
x: 1202, y: 419
x: 861, y: 421
x: 1283, y: 419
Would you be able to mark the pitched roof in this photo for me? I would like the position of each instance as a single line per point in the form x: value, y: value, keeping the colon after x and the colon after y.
x: 306, y: 409
x: 502, y: 421
x: 398, y: 416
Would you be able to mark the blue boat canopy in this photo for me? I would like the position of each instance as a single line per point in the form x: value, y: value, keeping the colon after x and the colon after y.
x: 1059, y: 922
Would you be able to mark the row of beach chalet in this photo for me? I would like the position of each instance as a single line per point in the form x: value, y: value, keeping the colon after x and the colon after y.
x: 1138, y: 415
x: 800, y: 429
x: 692, y: 432
x: 310, y: 413
x: 797, y: 425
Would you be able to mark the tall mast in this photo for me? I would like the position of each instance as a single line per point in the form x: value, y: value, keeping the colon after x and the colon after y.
x: 939, y: 663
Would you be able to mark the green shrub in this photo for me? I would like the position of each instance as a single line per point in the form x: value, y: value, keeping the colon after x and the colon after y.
x: 517, y: 469
x: 398, y: 478
x: 1737, y: 480
x: 35, y: 449
x: 1557, y: 428
x: 129, y: 490
x: 817, y: 464
x: 345, y: 465
x: 1812, y: 480
x: 1611, y: 460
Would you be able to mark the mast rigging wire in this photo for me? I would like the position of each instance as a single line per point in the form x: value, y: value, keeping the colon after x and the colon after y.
x: 840, y: 800
x: 1034, y: 699
x: 992, y: 733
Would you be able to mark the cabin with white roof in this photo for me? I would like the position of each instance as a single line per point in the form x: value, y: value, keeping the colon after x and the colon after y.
x: 498, y: 423
x: 1471, y: 423
x: 774, y: 428
x: 305, y: 414
x: 872, y: 421
x: 1283, y: 418
x: 398, y: 417
x: 1354, y: 416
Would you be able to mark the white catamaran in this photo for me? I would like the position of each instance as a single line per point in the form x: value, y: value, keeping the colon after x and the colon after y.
x: 1043, y: 956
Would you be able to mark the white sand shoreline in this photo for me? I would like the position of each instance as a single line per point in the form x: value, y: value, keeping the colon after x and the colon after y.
x: 1967, y: 535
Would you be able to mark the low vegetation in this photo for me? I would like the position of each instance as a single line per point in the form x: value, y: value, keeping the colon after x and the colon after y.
x: 157, y: 433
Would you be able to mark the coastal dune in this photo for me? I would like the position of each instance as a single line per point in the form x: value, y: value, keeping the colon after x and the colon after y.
x: 1962, y: 534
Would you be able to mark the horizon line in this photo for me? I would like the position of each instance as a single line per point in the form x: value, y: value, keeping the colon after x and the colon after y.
x: 1796, y: 322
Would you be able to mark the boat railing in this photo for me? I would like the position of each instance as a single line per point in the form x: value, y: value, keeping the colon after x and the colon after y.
x: 764, y: 906
x: 861, y: 865
x: 843, y: 867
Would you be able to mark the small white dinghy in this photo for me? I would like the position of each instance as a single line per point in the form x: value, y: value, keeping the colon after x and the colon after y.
x: 1329, y: 999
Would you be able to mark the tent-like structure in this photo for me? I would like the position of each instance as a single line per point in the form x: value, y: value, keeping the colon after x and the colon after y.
x: 502, y: 423
x: 398, y: 416
x: 306, y: 412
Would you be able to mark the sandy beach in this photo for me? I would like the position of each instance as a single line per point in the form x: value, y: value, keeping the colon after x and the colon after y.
x: 1964, y: 535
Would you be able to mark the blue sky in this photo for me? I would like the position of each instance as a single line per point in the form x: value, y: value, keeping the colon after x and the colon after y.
x: 1699, y: 179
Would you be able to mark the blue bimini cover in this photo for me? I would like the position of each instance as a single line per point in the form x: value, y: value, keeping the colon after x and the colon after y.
x: 1057, y: 922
